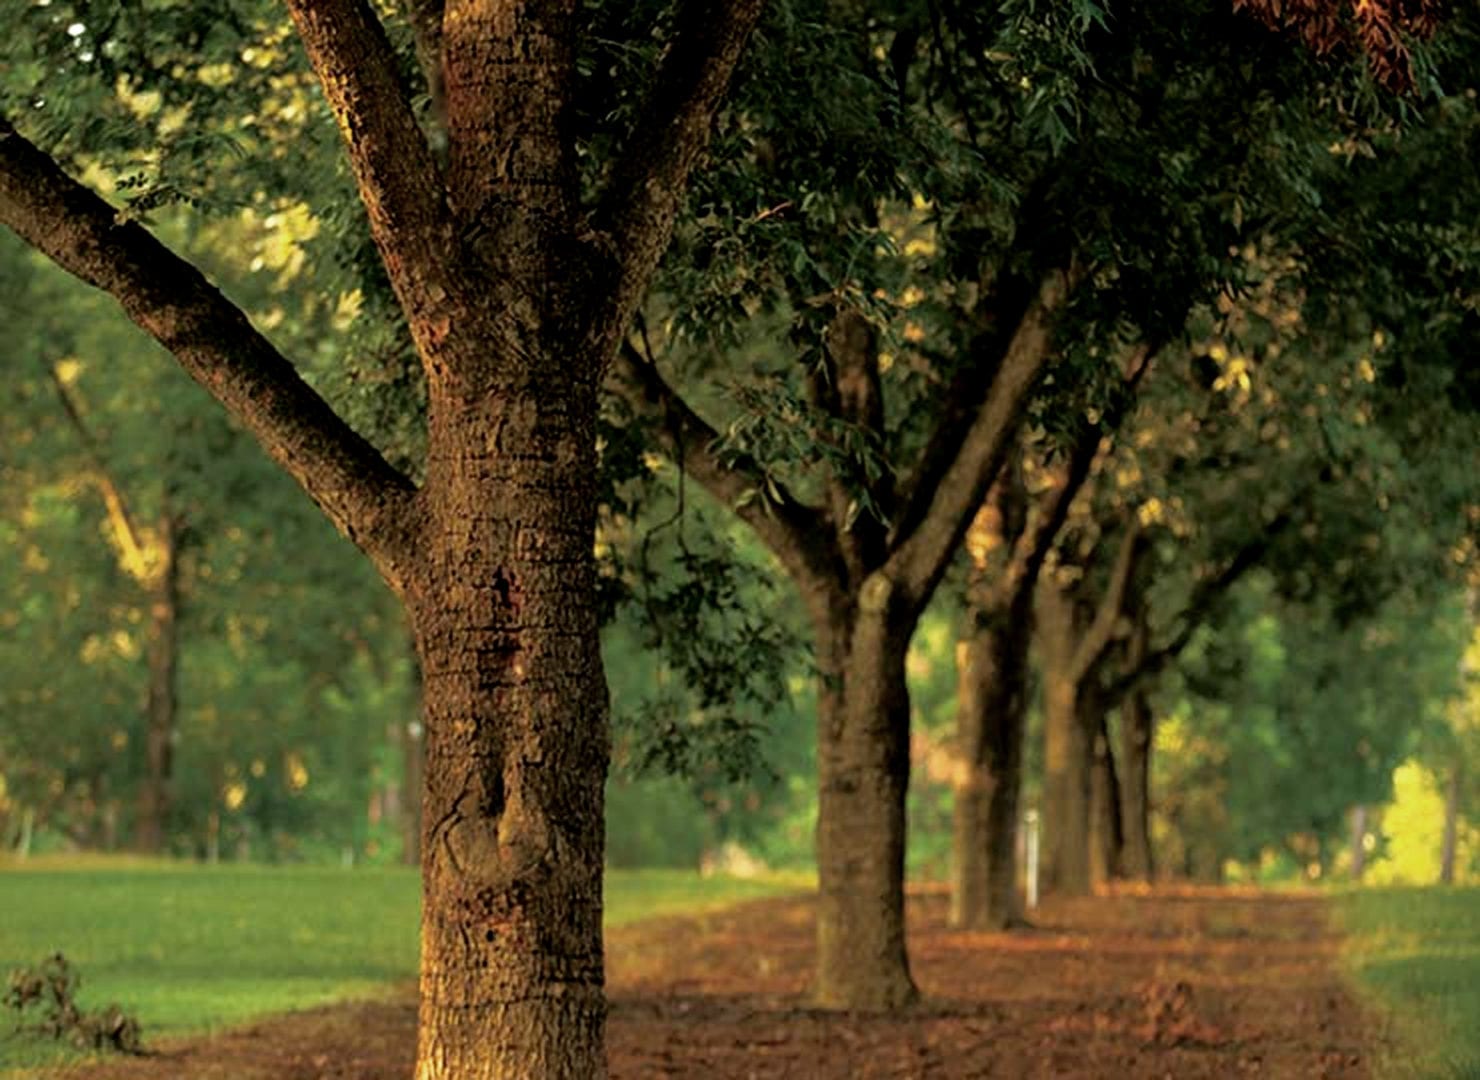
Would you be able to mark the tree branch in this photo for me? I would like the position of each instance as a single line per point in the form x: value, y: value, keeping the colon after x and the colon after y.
x: 1200, y: 605
x: 1101, y: 631
x: 130, y: 539
x: 362, y: 494
x: 919, y: 557
x: 846, y: 388
x: 964, y: 400
x: 646, y: 185
x: 393, y: 166
x: 1037, y: 540
x: 791, y: 529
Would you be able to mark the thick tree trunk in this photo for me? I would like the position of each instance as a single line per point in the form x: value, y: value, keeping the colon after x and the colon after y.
x: 155, y: 794
x: 863, y: 774
x: 516, y: 735
x: 1136, y: 728
x: 1107, y: 840
x: 1450, y: 841
x: 991, y: 680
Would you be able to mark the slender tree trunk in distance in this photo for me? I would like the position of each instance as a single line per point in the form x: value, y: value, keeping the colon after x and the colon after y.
x: 1067, y: 750
x: 1073, y: 636
x: 155, y: 792
x: 1136, y: 733
x: 863, y: 776
x: 1066, y: 789
x: 1359, y: 841
x: 1107, y: 840
x: 1450, y: 842
x: 991, y: 684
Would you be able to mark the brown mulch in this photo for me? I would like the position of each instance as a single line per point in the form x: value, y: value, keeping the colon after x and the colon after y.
x: 1175, y: 983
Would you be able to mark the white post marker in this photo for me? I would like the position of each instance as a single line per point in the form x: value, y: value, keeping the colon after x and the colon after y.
x: 1030, y: 824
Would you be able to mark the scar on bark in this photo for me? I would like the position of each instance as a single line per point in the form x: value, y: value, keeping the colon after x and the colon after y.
x: 507, y: 589
x: 490, y: 839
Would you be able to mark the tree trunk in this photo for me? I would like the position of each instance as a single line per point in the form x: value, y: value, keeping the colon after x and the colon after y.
x: 515, y: 710
x: 1450, y: 841
x: 1107, y: 840
x: 155, y: 794
x: 1359, y: 841
x: 991, y: 681
x: 863, y: 764
x: 1136, y: 729
x: 1066, y: 788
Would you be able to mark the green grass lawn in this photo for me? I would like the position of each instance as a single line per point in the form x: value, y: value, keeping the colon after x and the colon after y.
x: 188, y: 948
x: 1415, y: 957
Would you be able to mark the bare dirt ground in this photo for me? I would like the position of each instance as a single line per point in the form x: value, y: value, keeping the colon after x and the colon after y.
x: 1176, y: 983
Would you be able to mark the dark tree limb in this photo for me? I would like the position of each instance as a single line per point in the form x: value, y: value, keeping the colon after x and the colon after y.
x: 393, y: 166
x: 1100, y: 634
x: 1200, y: 605
x: 920, y: 556
x: 846, y: 388
x: 365, y: 497
x: 1032, y: 546
x: 646, y: 185
x: 962, y: 401
x: 792, y: 530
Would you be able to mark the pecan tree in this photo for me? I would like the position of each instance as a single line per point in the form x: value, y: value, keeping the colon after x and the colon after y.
x: 516, y: 281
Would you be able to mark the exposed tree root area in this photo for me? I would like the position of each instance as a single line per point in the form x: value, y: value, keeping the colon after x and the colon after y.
x: 1177, y: 983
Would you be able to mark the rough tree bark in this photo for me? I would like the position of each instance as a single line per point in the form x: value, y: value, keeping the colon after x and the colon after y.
x: 863, y: 775
x: 516, y: 294
x: 866, y: 584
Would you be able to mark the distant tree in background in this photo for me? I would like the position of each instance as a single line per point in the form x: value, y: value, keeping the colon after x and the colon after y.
x: 97, y: 432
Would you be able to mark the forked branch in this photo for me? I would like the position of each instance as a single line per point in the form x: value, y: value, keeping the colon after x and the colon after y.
x: 791, y: 529
x: 1100, y: 633
x: 920, y: 556
x: 394, y: 170
x: 131, y: 541
x: 647, y: 183
x: 365, y: 497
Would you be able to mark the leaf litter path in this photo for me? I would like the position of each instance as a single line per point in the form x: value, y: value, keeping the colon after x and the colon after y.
x: 1176, y: 983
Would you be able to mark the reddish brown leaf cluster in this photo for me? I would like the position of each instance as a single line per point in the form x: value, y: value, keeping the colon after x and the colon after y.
x: 1380, y: 29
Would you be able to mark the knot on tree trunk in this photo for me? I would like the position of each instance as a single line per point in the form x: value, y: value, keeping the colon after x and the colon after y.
x: 487, y: 846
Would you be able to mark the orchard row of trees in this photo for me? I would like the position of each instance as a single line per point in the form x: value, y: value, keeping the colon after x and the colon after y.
x: 1093, y: 318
